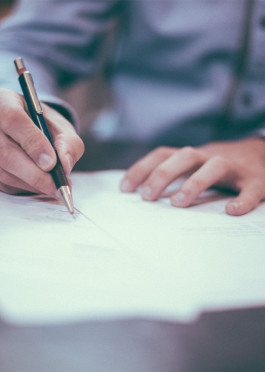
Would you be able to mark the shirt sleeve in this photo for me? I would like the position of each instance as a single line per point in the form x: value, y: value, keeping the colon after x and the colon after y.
x: 60, y: 42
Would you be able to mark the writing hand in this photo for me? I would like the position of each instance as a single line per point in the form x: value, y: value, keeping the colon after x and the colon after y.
x: 239, y: 166
x: 26, y: 155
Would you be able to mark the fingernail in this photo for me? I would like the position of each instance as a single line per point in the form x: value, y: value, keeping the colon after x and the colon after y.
x: 232, y: 208
x: 125, y: 185
x: 45, y: 162
x: 146, y: 192
x: 179, y: 199
x: 70, y: 163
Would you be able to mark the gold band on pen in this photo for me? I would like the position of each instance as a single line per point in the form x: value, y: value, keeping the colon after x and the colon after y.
x: 31, y: 88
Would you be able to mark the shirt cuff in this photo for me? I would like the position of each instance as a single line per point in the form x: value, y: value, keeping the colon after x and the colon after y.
x: 43, y: 81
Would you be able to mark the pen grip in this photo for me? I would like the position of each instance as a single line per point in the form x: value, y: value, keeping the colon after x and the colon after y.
x: 38, y: 119
x: 58, y: 174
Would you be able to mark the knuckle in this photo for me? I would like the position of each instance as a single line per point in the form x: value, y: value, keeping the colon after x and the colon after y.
x: 40, y: 182
x: 196, y: 183
x: 219, y: 161
x: 11, y: 115
x: 162, y: 151
x: 161, y: 173
x: 189, y: 153
x: 33, y: 142
x: 37, y: 182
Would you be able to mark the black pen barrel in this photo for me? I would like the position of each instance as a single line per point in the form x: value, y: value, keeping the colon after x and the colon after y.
x: 57, y: 172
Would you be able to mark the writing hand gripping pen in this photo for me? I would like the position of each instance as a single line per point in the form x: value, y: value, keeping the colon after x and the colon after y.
x: 36, y: 113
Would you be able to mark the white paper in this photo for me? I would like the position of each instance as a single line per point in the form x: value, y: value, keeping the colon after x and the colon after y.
x: 126, y: 257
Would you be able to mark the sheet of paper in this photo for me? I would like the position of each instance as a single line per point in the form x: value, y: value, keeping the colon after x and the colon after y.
x: 125, y: 257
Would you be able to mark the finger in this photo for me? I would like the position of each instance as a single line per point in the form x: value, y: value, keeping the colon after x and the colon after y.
x: 16, y: 162
x: 214, y: 170
x: 70, y: 148
x: 138, y: 172
x: 24, y: 132
x: 248, y: 199
x: 11, y: 190
x: 68, y: 144
x: 179, y: 163
x: 13, y: 182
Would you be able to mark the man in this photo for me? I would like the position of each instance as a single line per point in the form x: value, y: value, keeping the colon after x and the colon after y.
x: 183, y: 73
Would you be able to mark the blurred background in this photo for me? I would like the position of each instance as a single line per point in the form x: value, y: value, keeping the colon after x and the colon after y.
x: 88, y: 97
x: 92, y: 101
x: 6, y: 7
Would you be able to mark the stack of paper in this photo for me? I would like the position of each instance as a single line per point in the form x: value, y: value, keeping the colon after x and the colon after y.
x: 126, y: 257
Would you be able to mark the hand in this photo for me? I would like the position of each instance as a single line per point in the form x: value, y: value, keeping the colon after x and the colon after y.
x: 26, y: 155
x: 239, y: 166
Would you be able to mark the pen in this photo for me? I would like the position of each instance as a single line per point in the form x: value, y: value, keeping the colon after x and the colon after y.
x: 36, y: 113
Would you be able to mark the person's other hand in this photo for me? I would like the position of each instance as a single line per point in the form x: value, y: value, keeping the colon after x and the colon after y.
x: 239, y: 166
x: 26, y: 155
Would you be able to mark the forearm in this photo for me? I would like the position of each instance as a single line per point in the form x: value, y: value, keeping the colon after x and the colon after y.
x: 60, y: 41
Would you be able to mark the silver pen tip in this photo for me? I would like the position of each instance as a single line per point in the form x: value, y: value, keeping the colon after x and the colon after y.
x: 67, y: 198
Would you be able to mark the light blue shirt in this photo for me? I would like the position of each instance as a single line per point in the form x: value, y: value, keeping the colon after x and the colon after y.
x: 181, y: 71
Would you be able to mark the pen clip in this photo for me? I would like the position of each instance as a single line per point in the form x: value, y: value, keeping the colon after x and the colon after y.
x: 32, y: 92
x: 22, y: 71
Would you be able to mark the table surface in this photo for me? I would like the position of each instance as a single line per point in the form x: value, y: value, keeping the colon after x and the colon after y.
x: 218, y: 341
